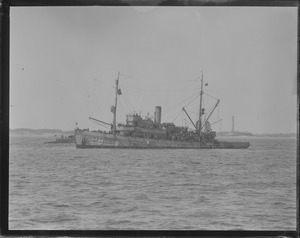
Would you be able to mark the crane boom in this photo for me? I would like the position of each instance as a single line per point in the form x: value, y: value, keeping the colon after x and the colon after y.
x: 189, y: 117
x: 98, y: 121
x: 211, y: 112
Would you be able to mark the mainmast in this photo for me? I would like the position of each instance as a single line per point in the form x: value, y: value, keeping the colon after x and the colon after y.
x: 200, y: 108
x: 114, y: 108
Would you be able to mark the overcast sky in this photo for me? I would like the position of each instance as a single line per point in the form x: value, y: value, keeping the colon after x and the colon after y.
x: 64, y: 62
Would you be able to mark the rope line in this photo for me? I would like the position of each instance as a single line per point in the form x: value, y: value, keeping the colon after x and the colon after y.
x: 211, y: 96
x: 159, y: 90
x: 180, y: 103
x: 177, y: 116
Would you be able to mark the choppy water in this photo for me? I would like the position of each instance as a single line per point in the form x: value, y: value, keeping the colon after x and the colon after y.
x: 61, y: 187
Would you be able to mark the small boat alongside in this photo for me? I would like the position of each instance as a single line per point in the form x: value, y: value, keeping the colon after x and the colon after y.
x: 62, y: 140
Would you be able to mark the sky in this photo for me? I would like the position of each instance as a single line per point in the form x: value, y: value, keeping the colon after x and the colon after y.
x: 64, y: 62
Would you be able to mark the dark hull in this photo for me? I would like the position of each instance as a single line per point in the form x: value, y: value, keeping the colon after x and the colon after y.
x: 99, y: 140
x: 245, y: 146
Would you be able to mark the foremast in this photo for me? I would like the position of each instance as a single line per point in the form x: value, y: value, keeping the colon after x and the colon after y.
x: 114, y: 108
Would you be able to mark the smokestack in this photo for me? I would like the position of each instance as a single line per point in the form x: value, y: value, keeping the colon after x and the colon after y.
x: 232, y: 130
x: 157, y: 114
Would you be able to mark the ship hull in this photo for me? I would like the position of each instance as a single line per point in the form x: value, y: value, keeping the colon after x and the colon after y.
x: 89, y: 139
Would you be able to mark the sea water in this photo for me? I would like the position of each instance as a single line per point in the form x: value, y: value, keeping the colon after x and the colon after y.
x: 56, y: 186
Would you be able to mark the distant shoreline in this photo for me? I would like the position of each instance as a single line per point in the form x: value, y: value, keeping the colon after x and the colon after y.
x: 36, y: 132
x: 58, y: 132
x: 248, y: 134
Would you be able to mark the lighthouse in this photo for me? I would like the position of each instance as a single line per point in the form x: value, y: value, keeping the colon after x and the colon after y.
x: 232, y: 129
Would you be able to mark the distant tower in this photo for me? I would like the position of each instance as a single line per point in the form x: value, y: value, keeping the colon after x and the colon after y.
x: 232, y: 130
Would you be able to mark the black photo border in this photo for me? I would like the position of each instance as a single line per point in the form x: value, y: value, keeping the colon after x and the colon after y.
x: 5, y: 6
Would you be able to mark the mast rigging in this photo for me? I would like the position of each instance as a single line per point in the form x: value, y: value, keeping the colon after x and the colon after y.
x: 200, y: 108
x: 118, y: 92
